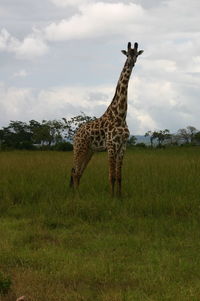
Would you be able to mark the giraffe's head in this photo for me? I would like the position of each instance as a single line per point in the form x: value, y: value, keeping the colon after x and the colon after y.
x: 132, y: 54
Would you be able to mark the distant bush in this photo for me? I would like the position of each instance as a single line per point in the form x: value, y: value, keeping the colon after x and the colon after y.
x: 5, y: 284
x: 44, y: 147
x: 187, y: 144
x: 63, y: 146
x: 25, y: 145
x: 141, y: 145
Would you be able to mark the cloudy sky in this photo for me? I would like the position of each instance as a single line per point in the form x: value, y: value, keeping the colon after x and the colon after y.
x: 61, y: 57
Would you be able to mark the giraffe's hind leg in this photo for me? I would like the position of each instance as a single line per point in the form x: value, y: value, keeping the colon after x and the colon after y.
x: 81, y: 160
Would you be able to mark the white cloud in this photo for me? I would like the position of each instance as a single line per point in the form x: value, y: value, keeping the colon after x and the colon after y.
x: 65, y: 3
x: 96, y: 20
x: 155, y: 104
x: 30, y: 47
x: 14, y: 103
x: 165, y: 91
x: 159, y: 103
x: 20, y: 73
x: 26, y: 104
x: 7, y: 42
x: 195, y: 64
x: 163, y: 65
x: 169, y: 20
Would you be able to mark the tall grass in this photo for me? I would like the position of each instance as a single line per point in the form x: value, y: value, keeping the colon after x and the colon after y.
x: 145, y: 246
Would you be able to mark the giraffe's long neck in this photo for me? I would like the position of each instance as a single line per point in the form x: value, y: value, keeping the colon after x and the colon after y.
x: 118, y: 106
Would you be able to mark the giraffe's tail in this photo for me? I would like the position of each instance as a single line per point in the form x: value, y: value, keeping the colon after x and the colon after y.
x: 71, y: 183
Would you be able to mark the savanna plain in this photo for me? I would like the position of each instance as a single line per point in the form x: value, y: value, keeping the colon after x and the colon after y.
x: 58, y: 247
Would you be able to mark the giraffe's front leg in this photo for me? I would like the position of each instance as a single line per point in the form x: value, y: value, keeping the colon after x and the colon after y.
x: 120, y: 140
x: 119, y: 162
x: 112, y: 168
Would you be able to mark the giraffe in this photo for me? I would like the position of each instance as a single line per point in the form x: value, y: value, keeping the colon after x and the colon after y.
x: 109, y: 132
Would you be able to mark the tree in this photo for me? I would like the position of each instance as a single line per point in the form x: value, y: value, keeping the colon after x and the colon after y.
x: 53, y: 130
x: 197, y: 137
x: 131, y: 141
x: 48, y: 133
x: 183, y: 135
x: 35, y: 128
x: 151, y: 135
x: 1, y: 138
x: 187, y: 135
x: 192, y: 131
x: 72, y: 125
x: 17, y: 135
x: 160, y: 136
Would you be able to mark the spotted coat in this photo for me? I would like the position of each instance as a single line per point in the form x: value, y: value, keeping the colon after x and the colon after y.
x: 109, y: 132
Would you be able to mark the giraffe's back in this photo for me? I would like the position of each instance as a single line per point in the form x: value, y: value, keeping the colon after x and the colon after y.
x: 91, y: 135
x: 97, y: 134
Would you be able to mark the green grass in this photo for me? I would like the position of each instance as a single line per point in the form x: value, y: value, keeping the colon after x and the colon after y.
x: 144, y: 246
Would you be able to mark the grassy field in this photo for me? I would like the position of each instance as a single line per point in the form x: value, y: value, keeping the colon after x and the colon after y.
x: 142, y: 247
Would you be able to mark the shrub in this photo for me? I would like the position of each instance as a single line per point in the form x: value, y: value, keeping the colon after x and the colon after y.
x: 141, y: 144
x: 63, y: 146
x: 5, y: 284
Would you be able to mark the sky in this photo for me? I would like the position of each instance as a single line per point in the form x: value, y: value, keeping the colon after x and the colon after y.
x: 62, y: 57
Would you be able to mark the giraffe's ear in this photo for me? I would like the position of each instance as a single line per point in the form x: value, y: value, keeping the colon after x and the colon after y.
x: 140, y: 52
x: 124, y: 52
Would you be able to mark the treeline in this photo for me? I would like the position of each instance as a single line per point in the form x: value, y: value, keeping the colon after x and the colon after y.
x: 45, y: 135
x: 188, y: 136
x: 58, y: 135
x: 185, y: 136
